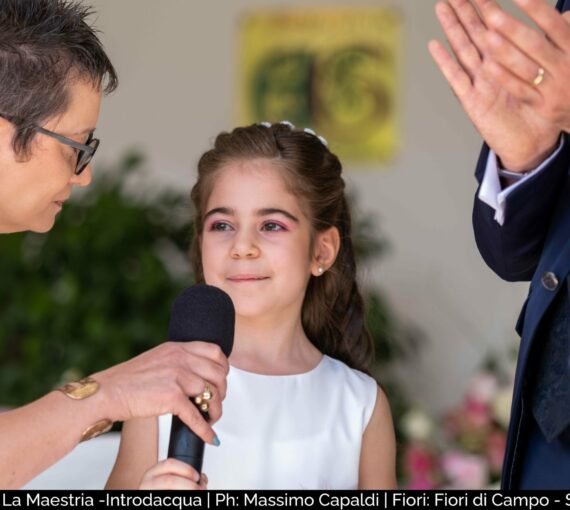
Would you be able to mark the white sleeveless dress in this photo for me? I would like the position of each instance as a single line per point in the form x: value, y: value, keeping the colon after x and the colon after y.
x: 301, y: 431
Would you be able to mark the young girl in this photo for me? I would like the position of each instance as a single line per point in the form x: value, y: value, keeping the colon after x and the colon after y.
x: 273, y: 231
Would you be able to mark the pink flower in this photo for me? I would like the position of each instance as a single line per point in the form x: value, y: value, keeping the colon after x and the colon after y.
x: 465, y: 471
x: 483, y: 387
x: 477, y: 413
x: 419, y: 461
x: 452, y: 423
x: 420, y: 484
x: 495, y: 450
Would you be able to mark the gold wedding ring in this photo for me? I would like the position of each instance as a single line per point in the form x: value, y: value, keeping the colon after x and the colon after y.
x: 203, y: 400
x: 539, y: 77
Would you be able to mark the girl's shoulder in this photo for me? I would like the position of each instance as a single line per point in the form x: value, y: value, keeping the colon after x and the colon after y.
x: 354, y: 384
x: 341, y: 369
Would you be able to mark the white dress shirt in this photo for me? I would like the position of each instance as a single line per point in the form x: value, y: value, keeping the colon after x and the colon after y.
x: 491, y: 191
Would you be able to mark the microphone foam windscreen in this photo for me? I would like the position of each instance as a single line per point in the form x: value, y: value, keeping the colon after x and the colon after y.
x: 204, y: 313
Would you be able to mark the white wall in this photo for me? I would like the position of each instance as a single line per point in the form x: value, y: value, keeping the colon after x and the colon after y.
x: 176, y: 61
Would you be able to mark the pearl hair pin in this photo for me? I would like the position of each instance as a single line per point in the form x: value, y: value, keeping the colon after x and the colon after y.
x: 309, y: 131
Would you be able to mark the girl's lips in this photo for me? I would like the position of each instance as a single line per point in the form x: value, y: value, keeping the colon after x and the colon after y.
x: 247, y: 278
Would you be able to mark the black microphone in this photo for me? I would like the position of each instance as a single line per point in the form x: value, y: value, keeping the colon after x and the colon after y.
x: 204, y: 313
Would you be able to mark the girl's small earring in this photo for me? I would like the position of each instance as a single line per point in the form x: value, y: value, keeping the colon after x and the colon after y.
x: 320, y: 270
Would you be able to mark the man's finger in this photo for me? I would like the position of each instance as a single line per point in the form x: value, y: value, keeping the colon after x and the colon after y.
x: 549, y: 20
x: 530, y: 42
x: 511, y: 83
x: 457, y: 78
x: 464, y: 49
x: 510, y: 57
x: 470, y: 20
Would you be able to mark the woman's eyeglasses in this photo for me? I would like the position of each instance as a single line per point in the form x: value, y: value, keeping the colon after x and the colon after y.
x: 85, y: 152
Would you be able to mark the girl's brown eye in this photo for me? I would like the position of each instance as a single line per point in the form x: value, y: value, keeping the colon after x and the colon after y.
x: 271, y: 226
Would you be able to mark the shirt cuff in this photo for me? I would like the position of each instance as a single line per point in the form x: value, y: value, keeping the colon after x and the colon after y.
x: 491, y: 192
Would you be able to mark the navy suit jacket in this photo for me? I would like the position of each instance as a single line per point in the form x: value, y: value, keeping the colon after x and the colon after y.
x: 534, y: 239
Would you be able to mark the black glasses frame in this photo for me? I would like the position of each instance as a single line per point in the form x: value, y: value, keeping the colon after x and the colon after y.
x: 85, y: 152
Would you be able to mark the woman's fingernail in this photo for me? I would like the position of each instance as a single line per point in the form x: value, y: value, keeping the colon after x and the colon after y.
x: 216, y: 440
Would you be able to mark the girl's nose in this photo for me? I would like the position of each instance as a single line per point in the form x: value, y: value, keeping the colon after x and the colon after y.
x: 244, y: 247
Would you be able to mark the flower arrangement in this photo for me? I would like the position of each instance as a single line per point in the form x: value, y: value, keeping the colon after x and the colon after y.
x: 464, y: 448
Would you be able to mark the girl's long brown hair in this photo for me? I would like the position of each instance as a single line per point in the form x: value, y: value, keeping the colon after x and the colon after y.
x: 333, y: 309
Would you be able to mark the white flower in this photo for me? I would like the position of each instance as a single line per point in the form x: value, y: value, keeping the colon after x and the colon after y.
x: 501, y: 406
x: 416, y: 425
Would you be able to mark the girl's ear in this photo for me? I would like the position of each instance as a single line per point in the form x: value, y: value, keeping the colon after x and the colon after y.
x: 325, y: 251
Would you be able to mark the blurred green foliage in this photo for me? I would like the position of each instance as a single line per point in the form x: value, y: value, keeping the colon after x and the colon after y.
x: 93, y: 292
x: 97, y: 289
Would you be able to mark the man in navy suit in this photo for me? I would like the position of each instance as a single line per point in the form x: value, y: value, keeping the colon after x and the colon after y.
x: 512, y: 81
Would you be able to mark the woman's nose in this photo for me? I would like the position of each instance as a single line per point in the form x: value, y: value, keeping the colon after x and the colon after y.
x: 84, y: 178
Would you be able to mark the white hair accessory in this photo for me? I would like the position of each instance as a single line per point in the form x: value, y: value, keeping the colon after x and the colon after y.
x: 322, y: 139
x: 309, y: 131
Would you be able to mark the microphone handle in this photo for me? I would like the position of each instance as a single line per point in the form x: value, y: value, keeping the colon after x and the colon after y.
x: 185, y: 445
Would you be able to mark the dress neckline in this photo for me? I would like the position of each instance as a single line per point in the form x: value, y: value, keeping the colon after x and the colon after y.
x: 309, y: 372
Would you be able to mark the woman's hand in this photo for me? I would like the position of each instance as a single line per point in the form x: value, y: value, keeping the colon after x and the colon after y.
x: 161, y: 380
x: 172, y: 474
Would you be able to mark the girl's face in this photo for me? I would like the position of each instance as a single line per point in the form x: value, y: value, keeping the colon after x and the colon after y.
x: 32, y: 192
x: 256, y: 241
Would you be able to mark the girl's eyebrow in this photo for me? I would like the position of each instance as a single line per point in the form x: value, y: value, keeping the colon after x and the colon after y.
x: 222, y: 210
x: 272, y: 210
x: 261, y: 212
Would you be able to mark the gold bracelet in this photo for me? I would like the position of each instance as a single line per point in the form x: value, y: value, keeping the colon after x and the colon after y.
x: 96, y: 429
x: 82, y: 389
x: 78, y: 390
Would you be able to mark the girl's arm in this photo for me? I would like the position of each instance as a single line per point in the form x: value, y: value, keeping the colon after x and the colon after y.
x: 378, y: 451
x: 138, y: 452
x: 136, y: 465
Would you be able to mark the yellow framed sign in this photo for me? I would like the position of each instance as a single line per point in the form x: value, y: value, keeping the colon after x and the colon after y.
x: 335, y: 70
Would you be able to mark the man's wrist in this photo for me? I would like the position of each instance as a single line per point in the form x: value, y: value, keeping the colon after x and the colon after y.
x: 516, y: 167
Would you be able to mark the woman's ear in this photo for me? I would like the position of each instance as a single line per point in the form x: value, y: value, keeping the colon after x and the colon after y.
x: 6, y: 134
x: 325, y: 250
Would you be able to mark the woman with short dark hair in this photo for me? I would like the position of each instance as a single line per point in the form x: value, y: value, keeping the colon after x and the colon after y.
x: 53, y: 73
